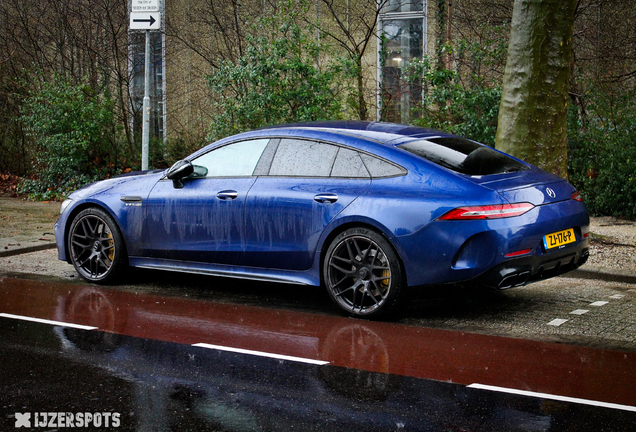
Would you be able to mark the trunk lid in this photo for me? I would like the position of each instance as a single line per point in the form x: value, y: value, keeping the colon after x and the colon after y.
x: 532, y: 185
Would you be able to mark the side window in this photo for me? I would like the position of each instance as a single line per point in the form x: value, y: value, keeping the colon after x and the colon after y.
x: 303, y: 159
x: 233, y: 160
x: 349, y: 165
x: 379, y: 168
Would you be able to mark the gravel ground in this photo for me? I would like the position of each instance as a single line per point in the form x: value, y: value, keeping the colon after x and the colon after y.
x: 41, y: 263
x: 613, y: 246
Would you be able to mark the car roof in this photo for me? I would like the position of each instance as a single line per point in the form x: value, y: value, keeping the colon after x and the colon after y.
x: 380, y: 132
x: 366, y: 136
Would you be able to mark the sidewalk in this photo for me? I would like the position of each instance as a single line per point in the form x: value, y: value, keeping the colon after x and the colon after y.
x: 612, y: 251
x: 27, y: 226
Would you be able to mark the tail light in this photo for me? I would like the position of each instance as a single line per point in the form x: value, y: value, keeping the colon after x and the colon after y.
x: 497, y: 211
x: 576, y: 195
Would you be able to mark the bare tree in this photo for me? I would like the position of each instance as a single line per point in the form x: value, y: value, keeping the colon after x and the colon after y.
x: 354, y: 30
x: 74, y: 39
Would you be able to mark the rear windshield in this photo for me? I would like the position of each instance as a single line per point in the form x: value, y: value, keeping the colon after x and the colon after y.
x: 463, y: 156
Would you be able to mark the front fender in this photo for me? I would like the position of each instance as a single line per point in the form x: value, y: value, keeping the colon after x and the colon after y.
x: 123, y: 198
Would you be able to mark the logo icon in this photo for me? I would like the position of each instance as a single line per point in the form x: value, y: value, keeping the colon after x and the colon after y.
x: 550, y: 193
x: 22, y: 420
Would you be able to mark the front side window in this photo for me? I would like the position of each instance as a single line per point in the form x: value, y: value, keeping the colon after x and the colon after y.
x: 233, y: 160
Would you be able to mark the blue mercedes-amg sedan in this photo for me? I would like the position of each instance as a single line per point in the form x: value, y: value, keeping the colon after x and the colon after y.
x: 365, y: 209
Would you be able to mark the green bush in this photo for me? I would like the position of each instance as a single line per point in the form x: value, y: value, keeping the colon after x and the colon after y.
x: 73, y: 130
x: 184, y: 143
x: 602, y: 153
x: 447, y: 104
x: 279, y: 79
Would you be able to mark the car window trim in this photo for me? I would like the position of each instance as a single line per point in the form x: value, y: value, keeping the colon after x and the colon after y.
x: 264, y: 164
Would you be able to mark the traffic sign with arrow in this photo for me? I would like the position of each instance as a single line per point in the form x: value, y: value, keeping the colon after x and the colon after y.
x: 145, y: 20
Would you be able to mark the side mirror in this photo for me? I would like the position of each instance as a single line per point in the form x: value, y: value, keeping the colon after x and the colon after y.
x: 178, y: 171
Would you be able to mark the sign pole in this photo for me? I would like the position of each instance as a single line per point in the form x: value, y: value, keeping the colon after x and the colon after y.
x: 145, y: 129
x: 145, y: 15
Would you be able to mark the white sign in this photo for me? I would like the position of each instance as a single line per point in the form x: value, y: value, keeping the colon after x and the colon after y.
x: 145, y: 6
x: 145, y: 21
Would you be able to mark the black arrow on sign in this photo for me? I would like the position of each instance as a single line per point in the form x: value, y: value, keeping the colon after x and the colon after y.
x: 152, y: 20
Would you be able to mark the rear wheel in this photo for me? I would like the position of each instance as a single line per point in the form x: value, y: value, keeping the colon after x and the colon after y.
x: 96, y: 246
x: 362, y: 273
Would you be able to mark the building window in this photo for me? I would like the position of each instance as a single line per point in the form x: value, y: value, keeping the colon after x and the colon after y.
x: 402, y: 27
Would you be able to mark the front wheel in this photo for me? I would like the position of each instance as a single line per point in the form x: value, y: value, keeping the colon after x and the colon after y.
x: 363, y: 273
x: 96, y: 246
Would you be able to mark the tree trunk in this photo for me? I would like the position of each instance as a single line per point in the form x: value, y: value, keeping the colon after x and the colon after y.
x: 533, y: 111
x: 362, y: 104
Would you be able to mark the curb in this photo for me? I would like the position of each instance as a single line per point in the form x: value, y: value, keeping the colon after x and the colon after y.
x: 598, y: 275
x: 29, y: 249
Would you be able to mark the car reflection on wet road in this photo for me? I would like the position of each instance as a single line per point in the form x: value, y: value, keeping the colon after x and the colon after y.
x: 174, y: 363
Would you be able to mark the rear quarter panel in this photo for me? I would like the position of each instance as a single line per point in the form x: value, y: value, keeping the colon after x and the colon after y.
x: 404, y: 208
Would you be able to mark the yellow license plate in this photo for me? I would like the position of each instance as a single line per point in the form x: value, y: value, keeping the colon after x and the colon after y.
x: 558, y: 239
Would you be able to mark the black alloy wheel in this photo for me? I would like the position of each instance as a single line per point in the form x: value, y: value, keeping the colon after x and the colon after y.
x: 96, y: 246
x: 362, y: 273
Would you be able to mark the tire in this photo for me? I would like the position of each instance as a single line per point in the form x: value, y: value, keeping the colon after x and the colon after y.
x: 96, y: 246
x: 362, y: 273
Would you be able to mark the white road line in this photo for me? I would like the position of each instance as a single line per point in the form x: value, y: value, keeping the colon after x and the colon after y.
x: 617, y: 296
x: 599, y: 303
x: 261, y: 354
x: 45, y: 321
x: 579, y: 312
x: 554, y: 397
x: 557, y: 322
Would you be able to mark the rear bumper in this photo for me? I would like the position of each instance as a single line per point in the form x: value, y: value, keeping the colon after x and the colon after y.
x: 524, y: 270
x: 470, y: 252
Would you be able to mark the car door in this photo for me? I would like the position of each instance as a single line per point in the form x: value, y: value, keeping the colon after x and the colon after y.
x: 204, y: 220
x: 306, y: 185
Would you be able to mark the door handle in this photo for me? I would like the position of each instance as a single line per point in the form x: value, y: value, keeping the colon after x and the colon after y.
x: 326, y: 198
x: 227, y: 195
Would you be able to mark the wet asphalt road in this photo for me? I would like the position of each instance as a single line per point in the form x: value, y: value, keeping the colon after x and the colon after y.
x: 179, y: 352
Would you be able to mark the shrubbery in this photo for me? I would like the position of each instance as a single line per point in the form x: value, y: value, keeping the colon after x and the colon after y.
x: 463, y: 99
x: 279, y: 79
x: 448, y: 105
x: 602, y: 153
x: 75, y: 137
